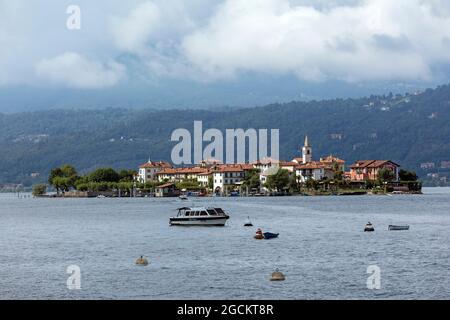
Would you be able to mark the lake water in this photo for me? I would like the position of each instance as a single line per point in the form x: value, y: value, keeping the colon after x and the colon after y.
x: 322, y: 248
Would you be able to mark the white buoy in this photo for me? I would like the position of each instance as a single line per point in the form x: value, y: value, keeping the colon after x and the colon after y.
x: 369, y: 227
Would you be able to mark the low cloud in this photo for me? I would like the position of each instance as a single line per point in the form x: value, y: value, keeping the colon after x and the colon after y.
x: 369, y: 40
x: 133, y: 32
x: 203, y: 40
x: 73, y: 70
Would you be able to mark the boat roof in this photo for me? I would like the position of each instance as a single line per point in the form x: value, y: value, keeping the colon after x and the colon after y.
x: 197, y: 208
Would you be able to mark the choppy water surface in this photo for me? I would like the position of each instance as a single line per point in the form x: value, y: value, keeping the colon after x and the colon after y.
x: 322, y: 248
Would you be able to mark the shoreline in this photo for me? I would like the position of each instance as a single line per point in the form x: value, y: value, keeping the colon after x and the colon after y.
x: 305, y: 194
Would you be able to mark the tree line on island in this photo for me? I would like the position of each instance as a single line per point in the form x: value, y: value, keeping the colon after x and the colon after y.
x: 122, y: 182
x: 66, y: 178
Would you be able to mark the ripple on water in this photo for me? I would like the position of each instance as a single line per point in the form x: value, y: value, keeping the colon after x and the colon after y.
x: 321, y: 249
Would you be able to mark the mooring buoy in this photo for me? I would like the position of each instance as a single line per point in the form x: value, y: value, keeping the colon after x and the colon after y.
x: 277, y: 276
x: 142, y: 261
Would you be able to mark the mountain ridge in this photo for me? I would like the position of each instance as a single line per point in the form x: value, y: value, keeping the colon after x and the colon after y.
x: 411, y: 129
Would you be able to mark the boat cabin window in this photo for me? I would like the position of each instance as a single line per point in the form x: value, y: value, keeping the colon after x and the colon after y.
x: 203, y: 213
x: 220, y: 211
x: 212, y: 212
x: 188, y: 213
x: 197, y: 213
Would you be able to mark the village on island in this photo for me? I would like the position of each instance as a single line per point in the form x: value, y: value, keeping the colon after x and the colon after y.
x: 265, y: 177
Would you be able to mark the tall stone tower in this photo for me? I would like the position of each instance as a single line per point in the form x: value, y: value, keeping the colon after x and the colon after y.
x: 307, y: 151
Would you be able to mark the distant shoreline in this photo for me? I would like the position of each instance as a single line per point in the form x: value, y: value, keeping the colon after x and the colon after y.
x: 305, y: 194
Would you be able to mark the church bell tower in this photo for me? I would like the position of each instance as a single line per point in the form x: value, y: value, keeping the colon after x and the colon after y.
x: 307, y: 151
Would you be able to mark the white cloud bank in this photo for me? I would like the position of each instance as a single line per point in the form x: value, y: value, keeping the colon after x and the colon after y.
x: 74, y: 70
x: 133, y: 32
x: 344, y: 40
x: 315, y: 40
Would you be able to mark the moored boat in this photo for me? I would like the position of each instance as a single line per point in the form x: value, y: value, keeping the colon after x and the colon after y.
x: 248, y: 223
x: 270, y: 235
x: 200, y: 216
x: 398, y: 228
x: 265, y: 235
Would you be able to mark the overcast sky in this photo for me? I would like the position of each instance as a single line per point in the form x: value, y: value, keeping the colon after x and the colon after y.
x: 208, y: 44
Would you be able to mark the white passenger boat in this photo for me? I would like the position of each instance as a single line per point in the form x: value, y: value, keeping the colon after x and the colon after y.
x: 199, y: 216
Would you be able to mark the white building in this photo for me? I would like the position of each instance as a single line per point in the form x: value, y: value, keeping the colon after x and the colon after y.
x: 147, y: 172
x: 203, y: 178
x: 180, y: 174
x: 266, y: 164
x: 229, y: 176
x: 307, y: 169
x: 313, y: 171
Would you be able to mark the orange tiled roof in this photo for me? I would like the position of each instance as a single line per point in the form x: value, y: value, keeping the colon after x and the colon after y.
x: 159, y: 164
x: 190, y: 170
x: 313, y: 165
x: 207, y: 172
x: 169, y: 184
x: 233, y: 167
x: 371, y: 164
x: 331, y: 159
x: 288, y: 163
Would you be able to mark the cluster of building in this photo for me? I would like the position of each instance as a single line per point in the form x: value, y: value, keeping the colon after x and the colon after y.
x: 223, y: 176
x: 434, y: 165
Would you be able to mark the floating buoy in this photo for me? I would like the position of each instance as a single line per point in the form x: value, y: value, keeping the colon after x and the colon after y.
x: 369, y: 227
x: 277, y: 276
x: 259, y: 234
x: 248, y: 223
x: 142, y: 261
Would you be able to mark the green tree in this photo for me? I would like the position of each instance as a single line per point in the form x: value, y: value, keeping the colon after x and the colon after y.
x: 68, y: 171
x: 55, y: 172
x: 210, y: 182
x: 409, y: 176
x: 385, y: 175
x: 127, y: 175
x: 125, y: 186
x: 338, y: 174
x: 293, y: 184
x: 104, y: 175
x: 251, y: 179
x: 39, y: 190
x: 312, y: 184
x: 61, y: 184
x: 63, y: 178
x: 278, y: 181
x: 189, y: 184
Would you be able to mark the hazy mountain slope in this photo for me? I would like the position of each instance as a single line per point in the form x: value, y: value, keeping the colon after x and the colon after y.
x: 409, y: 129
